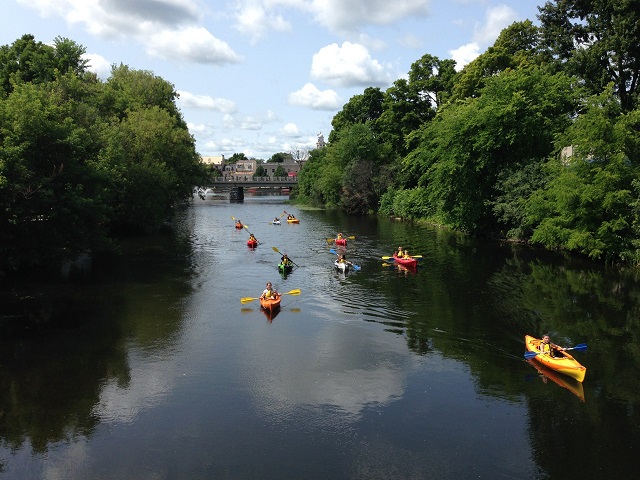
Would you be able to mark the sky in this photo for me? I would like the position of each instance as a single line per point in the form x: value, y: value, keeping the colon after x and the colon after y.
x: 261, y: 77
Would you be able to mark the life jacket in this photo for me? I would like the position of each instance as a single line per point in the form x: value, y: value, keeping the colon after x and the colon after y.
x: 546, y: 349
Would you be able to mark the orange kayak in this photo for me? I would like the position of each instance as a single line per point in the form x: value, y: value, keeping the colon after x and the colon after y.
x: 561, y: 362
x: 252, y: 243
x: 270, y: 303
x: 293, y: 220
x: 569, y: 383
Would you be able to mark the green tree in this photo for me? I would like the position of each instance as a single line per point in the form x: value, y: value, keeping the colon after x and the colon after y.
x: 280, y: 172
x: 28, y: 61
x: 279, y: 157
x: 512, y: 123
x: 237, y: 156
x: 55, y: 204
x: 152, y: 161
x: 260, y: 172
x: 598, y: 42
x: 365, y: 109
x: 588, y: 205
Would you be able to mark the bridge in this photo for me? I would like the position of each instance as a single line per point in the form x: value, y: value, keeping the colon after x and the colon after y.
x: 236, y: 184
x: 249, y: 181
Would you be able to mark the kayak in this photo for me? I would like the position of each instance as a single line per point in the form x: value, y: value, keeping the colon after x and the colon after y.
x: 276, y: 222
x: 252, y: 243
x: 562, y: 362
x: 340, y: 241
x: 285, y: 268
x: 293, y: 220
x: 341, y: 266
x: 407, y: 262
x: 270, y: 303
x: 569, y: 383
x: 239, y: 226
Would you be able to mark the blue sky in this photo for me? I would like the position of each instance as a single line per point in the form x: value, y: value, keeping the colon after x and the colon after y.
x: 266, y: 76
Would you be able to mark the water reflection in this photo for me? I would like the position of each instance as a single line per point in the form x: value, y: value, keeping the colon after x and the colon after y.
x: 384, y: 373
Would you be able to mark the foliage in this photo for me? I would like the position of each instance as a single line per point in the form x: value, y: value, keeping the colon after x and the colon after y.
x: 280, y: 172
x: 235, y: 157
x: 279, y: 157
x: 260, y: 171
x: 362, y: 109
x: 598, y: 42
x: 81, y: 160
x: 588, y: 205
x: 465, y: 148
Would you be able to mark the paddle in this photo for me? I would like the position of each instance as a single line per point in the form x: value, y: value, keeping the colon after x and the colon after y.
x: 412, y: 256
x: 352, y: 237
x: 580, y: 347
x: 295, y: 291
x: 350, y: 263
x: 275, y: 249
x: 247, y: 227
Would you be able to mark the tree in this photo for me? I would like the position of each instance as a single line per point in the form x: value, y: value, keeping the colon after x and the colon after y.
x: 364, y: 108
x: 152, y: 160
x: 260, y: 172
x: 237, y: 156
x: 28, y: 61
x: 598, y: 42
x: 518, y: 45
x: 511, y: 123
x: 280, y: 172
x: 279, y: 157
x: 588, y: 205
x: 55, y: 204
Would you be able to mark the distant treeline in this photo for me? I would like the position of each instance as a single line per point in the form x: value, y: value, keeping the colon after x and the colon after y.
x: 83, y: 161
x: 483, y: 149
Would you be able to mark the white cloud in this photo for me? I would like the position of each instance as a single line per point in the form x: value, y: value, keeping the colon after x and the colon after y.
x: 350, y: 15
x: 348, y: 65
x: 309, y: 96
x: 168, y: 29
x: 291, y: 130
x: 98, y: 64
x: 496, y: 19
x: 465, y: 54
x: 193, y: 44
x: 206, y: 102
x: 254, y: 21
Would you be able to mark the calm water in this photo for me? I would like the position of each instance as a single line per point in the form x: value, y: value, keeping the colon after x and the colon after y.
x: 152, y: 368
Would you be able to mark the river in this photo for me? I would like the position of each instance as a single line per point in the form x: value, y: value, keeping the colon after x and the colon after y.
x: 150, y: 367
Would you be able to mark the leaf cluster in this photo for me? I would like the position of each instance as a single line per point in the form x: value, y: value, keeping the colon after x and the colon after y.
x: 82, y: 160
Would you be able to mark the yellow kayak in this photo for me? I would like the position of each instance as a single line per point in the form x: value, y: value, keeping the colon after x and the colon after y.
x: 561, y: 362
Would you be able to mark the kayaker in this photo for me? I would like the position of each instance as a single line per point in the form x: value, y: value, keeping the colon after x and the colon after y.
x: 339, y: 237
x: 284, y: 260
x: 547, y: 347
x: 238, y: 224
x: 405, y: 254
x: 269, y: 292
x: 400, y: 252
x: 252, y: 238
x: 343, y: 259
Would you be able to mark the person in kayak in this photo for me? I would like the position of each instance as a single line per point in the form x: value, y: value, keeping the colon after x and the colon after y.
x: 547, y: 347
x: 339, y: 237
x: 252, y: 238
x: 284, y: 260
x: 343, y: 259
x: 269, y: 292
x: 400, y: 252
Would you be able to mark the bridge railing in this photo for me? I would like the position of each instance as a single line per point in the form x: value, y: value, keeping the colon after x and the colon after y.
x: 250, y: 179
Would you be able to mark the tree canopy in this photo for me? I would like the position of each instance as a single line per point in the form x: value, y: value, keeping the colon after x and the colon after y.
x: 83, y: 160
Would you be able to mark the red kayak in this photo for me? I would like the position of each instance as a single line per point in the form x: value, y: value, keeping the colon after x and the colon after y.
x: 407, y: 262
x: 252, y: 243
x: 239, y: 226
x: 341, y: 241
